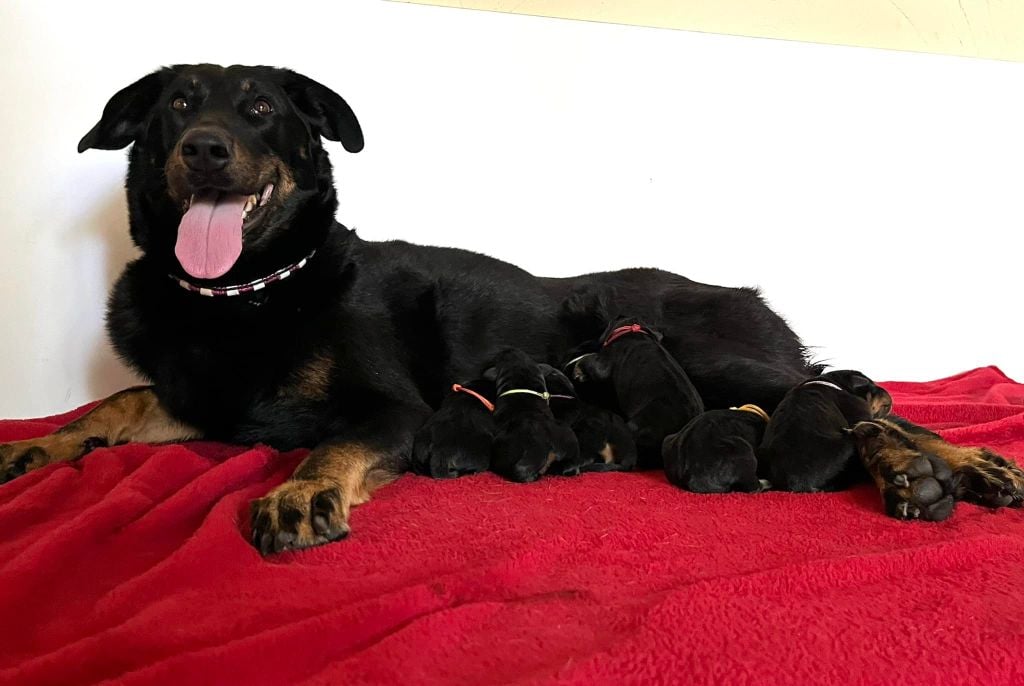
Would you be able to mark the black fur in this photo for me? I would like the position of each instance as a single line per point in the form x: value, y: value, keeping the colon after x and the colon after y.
x: 650, y: 388
x: 807, y: 446
x: 457, y: 439
x: 716, y: 453
x: 396, y: 322
x: 529, y: 440
x: 606, y: 443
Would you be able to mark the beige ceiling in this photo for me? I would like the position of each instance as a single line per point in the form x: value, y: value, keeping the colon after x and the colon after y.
x: 976, y: 28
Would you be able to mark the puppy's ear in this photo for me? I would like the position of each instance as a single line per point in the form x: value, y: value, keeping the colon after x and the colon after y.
x: 490, y: 374
x: 326, y: 112
x: 861, y: 385
x: 126, y: 114
x: 592, y: 368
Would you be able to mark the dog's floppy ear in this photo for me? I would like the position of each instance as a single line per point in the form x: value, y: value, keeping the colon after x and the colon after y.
x: 592, y: 368
x: 327, y: 114
x: 490, y: 374
x: 126, y: 113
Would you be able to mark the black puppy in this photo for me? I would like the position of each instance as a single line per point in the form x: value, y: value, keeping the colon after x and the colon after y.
x: 606, y: 443
x: 528, y: 440
x: 457, y: 439
x: 650, y: 388
x: 715, y: 452
x: 806, y: 446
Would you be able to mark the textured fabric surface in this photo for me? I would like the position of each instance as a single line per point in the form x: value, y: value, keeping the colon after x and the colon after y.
x: 132, y: 566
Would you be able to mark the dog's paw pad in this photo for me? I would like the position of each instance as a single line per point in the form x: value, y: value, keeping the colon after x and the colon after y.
x: 922, y: 490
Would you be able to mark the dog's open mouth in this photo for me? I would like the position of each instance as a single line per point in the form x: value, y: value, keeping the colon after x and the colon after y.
x: 210, y: 233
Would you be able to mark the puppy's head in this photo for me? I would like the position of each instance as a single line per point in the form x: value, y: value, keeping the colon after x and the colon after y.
x: 877, y: 398
x: 227, y: 165
x: 514, y: 369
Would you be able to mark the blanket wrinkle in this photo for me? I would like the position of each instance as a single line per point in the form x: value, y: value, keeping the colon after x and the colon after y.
x: 133, y: 566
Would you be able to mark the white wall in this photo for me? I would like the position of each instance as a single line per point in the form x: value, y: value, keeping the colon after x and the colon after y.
x: 875, y: 196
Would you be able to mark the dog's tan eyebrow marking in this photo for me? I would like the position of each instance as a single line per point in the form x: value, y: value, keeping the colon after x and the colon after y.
x: 247, y: 85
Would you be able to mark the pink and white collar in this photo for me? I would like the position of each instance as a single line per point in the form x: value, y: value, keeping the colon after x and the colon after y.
x: 242, y: 289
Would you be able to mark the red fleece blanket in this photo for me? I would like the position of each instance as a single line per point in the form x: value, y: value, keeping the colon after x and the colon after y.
x: 133, y: 566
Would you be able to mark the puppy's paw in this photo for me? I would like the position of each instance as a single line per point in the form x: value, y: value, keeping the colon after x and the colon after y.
x: 299, y: 514
x: 920, y: 488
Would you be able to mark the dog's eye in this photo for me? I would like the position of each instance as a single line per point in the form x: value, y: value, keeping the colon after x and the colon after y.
x: 179, y: 104
x: 262, y: 106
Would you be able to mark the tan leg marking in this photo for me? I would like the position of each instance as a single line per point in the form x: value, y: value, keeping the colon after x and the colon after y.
x: 130, y: 415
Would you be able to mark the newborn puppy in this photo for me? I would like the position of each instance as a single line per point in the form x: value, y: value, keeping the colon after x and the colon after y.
x: 528, y: 440
x: 456, y: 440
x: 606, y: 443
x: 650, y: 389
x: 806, y: 446
x: 714, y: 453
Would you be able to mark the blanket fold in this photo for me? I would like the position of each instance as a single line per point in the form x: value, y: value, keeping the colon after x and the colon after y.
x: 133, y: 566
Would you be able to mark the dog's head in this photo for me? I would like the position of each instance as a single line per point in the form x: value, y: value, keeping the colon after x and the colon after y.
x: 514, y: 369
x: 877, y: 398
x: 227, y: 170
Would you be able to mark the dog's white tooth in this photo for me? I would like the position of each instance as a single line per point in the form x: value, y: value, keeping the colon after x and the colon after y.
x: 265, y: 197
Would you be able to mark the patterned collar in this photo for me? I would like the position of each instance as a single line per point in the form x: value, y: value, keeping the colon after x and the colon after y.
x: 242, y: 289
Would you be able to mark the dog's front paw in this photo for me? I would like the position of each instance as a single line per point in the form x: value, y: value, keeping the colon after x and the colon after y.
x: 921, y: 488
x: 299, y: 514
x: 21, y: 457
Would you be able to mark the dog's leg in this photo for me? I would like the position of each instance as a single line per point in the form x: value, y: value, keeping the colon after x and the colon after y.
x: 312, y: 507
x: 913, y: 485
x: 130, y: 415
x: 983, y: 476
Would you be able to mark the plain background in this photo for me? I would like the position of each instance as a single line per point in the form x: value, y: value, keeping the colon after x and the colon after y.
x: 874, y: 196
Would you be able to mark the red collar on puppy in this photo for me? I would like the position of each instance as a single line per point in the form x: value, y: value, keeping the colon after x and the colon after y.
x: 621, y: 331
x: 462, y: 389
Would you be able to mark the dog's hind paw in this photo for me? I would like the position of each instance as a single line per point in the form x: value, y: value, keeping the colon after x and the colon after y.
x: 299, y: 514
x: 989, y: 479
x: 922, y: 489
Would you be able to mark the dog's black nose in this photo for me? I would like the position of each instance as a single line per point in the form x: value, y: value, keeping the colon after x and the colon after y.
x: 205, y: 151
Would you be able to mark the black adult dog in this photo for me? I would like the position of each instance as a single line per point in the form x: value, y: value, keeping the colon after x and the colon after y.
x: 257, y: 317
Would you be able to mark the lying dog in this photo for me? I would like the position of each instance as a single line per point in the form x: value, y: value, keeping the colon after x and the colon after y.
x: 605, y: 441
x: 529, y: 440
x: 715, y: 452
x: 457, y: 439
x: 650, y: 388
x: 806, y: 445
x: 256, y: 316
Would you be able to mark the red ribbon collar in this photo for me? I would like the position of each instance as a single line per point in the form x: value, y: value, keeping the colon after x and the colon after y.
x: 621, y: 331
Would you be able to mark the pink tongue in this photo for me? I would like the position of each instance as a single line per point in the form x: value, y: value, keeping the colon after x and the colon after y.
x: 210, y: 235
